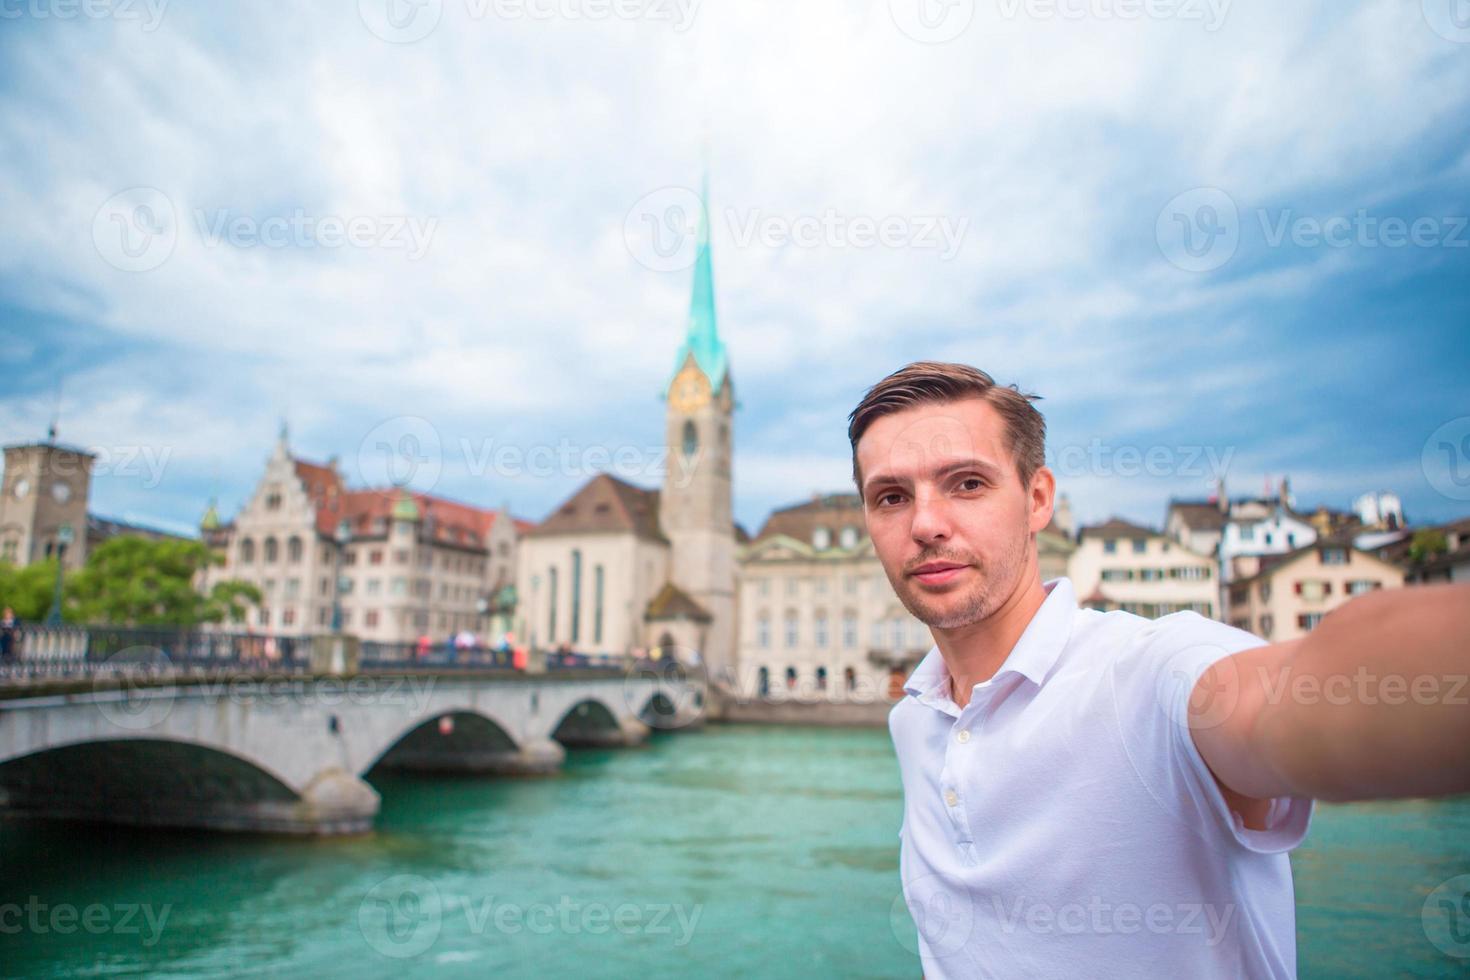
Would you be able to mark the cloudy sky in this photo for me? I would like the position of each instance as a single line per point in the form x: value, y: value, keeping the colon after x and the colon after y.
x: 1213, y: 235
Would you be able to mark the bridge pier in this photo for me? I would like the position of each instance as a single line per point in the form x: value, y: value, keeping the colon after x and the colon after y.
x: 629, y: 732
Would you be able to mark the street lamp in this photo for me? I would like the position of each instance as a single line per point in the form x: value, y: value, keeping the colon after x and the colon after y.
x: 63, y: 538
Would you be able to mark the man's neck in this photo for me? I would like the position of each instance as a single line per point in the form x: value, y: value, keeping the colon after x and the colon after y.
x: 973, y: 653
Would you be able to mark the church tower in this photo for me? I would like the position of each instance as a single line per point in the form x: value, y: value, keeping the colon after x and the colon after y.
x: 695, y: 511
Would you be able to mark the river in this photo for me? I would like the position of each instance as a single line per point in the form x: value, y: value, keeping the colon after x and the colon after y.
x: 729, y: 852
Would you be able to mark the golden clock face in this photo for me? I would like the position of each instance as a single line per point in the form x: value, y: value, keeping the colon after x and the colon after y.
x: 690, y: 390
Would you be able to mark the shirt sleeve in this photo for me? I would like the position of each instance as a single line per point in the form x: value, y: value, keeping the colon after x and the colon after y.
x: 1153, y: 684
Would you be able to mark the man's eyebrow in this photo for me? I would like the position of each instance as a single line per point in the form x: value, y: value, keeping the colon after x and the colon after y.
x: 985, y: 466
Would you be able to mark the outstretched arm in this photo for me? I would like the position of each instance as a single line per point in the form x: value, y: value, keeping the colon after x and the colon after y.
x: 1373, y: 703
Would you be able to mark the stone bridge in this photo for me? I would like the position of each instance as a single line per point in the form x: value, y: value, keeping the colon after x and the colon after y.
x: 288, y: 754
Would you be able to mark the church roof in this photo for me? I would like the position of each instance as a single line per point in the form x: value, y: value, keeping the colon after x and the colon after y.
x: 605, y: 503
x: 702, y: 337
x: 673, y: 602
x: 832, y: 510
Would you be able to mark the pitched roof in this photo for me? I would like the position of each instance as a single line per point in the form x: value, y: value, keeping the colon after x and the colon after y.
x: 1198, y: 515
x: 832, y: 510
x: 369, y: 511
x: 605, y: 503
x: 1271, y: 564
x: 1116, y: 527
x: 673, y: 602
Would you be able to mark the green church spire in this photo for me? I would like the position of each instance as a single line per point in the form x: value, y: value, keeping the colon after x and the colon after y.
x: 702, y: 337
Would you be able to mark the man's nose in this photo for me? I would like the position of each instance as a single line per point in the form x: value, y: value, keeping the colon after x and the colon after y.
x: 931, y: 517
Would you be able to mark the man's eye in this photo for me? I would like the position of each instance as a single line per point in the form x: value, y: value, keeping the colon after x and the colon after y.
x: 972, y: 483
x: 887, y: 497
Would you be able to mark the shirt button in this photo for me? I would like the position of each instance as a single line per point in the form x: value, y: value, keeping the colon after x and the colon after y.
x: 963, y: 736
x: 951, y: 797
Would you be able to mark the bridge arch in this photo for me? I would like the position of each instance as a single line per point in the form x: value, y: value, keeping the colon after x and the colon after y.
x: 454, y: 741
x: 151, y: 781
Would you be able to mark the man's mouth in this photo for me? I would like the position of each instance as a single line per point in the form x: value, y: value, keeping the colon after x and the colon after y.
x: 938, y: 572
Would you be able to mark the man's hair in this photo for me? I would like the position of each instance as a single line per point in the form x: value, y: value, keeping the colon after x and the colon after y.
x: 940, y: 382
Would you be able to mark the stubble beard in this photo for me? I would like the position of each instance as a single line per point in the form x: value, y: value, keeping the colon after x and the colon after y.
x: 989, y: 592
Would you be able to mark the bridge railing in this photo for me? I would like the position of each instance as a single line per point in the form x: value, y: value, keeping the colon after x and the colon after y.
x: 40, y: 651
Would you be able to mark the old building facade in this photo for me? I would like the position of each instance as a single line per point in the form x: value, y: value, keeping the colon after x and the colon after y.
x: 403, y: 564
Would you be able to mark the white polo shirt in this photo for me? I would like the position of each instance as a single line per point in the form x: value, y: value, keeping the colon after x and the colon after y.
x: 1064, y: 825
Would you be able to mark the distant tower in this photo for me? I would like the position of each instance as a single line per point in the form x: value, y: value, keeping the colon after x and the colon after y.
x: 45, y: 489
x: 695, y: 511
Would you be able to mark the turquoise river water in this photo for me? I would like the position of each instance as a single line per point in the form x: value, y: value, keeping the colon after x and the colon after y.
x: 728, y: 852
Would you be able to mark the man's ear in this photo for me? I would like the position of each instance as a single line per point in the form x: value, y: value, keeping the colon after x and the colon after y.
x: 1042, y: 497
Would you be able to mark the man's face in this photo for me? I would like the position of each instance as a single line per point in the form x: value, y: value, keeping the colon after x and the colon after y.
x: 946, y: 510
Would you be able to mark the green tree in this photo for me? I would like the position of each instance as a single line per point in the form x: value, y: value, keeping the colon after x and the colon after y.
x: 134, y: 581
x: 1426, y: 544
x: 28, y: 590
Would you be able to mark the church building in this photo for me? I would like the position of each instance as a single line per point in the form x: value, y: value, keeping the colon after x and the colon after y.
x: 618, y: 566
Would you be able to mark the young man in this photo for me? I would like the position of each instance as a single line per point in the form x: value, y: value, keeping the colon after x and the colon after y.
x: 1093, y: 794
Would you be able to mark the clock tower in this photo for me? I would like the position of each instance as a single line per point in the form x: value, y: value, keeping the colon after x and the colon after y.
x: 695, y: 511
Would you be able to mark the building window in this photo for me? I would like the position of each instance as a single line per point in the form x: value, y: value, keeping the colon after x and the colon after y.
x: 1334, y: 556
x: 294, y: 550
x: 821, y: 678
x: 1139, y: 546
x: 850, y: 585
x: 897, y: 634
x: 819, y: 585
x: 849, y: 630
x: 691, y: 438
x: 1110, y: 546
x: 1265, y: 591
x: 819, y: 630
x: 1267, y: 624
x: 263, y: 616
x: 576, y: 588
x: 247, y: 552
x: 597, y: 583
x: 792, y: 632
x: 272, y: 551
x: 821, y: 539
x: 763, y: 587
x: 288, y: 617
x: 374, y: 586
x: 791, y: 586
x: 1361, y: 586
x: 1309, y: 621
x: 848, y: 538
x: 551, y: 610
x: 371, y: 618
x: 790, y: 677
x: 293, y: 588
x: 375, y: 557
x: 763, y: 631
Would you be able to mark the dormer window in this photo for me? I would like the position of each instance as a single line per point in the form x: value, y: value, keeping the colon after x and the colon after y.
x: 821, y: 539
x: 691, y: 438
x: 849, y: 537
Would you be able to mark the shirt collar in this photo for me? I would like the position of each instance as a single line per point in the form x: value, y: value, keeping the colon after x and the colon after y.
x: 1033, y: 656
